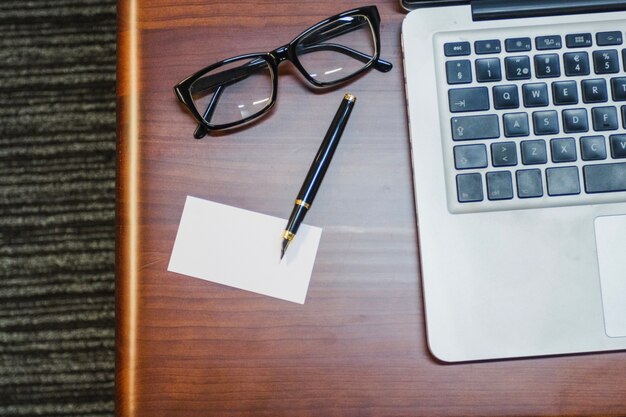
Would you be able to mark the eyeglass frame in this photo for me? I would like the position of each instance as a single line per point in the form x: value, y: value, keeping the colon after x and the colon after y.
x: 274, y: 58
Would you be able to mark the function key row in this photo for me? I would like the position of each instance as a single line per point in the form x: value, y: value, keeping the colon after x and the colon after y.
x: 542, y: 43
x: 506, y: 96
x: 545, y: 66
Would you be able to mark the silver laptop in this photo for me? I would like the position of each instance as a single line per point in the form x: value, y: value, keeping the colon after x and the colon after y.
x: 517, y: 119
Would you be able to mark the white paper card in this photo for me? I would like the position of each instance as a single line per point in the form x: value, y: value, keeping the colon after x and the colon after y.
x: 241, y: 249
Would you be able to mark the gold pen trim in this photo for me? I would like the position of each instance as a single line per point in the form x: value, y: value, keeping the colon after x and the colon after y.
x: 349, y: 97
x: 288, y: 235
x: 303, y: 204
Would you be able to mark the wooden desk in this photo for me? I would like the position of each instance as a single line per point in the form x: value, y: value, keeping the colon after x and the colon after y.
x: 187, y: 347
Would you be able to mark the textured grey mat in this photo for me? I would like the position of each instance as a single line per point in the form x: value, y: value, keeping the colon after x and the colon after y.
x: 57, y: 201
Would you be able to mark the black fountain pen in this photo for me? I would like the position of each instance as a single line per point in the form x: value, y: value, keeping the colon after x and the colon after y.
x: 318, y: 169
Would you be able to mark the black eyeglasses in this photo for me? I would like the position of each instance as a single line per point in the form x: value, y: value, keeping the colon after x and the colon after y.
x: 238, y: 90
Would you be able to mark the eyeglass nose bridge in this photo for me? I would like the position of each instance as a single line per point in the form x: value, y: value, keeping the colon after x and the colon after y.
x: 281, y: 54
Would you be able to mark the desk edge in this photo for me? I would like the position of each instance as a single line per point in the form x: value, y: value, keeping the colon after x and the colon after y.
x: 127, y: 191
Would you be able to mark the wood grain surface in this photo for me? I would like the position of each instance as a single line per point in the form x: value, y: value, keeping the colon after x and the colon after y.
x: 357, y: 347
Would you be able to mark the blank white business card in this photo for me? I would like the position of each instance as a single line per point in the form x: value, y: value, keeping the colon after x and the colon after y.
x: 241, y: 249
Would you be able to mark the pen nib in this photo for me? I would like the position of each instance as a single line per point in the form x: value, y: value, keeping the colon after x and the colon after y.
x: 284, y: 249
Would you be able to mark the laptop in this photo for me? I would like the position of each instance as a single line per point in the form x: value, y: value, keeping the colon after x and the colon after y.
x: 517, y: 119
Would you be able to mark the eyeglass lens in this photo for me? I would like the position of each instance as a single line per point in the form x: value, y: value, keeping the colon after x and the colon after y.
x: 337, y: 50
x: 233, y: 92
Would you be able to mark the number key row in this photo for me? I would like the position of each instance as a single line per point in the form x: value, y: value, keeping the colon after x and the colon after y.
x: 545, y: 66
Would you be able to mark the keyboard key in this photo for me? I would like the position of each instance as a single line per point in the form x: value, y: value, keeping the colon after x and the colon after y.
x: 499, y: 185
x: 503, y: 154
x: 529, y: 183
x: 576, y: 63
x: 604, y: 118
x: 605, y: 178
x: 547, y: 66
x: 592, y: 148
x: 606, y: 62
x: 517, y: 67
x: 456, y: 48
x: 609, y: 38
x: 575, y: 120
x: 535, y: 95
x: 624, y: 116
x: 578, y: 40
x: 518, y: 44
x: 546, y: 122
x: 594, y: 91
x: 488, y: 69
x: 534, y: 152
x: 469, y: 188
x: 543, y: 43
x: 564, y: 92
x: 515, y: 124
x: 618, y: 146
x: 563, y: 150
x: 618, y: 88
x: 475, y: 127
x: 505, y: 97
x: 459, y: 72
x: 491, y: 46
x: 468, y: 99
x: 470, y: 156
x: 562, y: 181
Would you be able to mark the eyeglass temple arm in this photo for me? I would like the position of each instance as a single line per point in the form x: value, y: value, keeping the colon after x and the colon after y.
x: 340, y: 28
x: 224, y: 78
x: 201, y: 131
x: 379, y: 64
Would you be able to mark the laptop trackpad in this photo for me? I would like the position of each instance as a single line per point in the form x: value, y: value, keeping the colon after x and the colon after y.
x: 611, y: 244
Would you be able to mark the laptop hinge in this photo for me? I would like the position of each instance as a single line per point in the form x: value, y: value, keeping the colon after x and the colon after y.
x: 511, y: 9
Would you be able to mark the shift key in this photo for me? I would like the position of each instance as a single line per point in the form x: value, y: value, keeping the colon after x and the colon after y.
x: 475, y: 127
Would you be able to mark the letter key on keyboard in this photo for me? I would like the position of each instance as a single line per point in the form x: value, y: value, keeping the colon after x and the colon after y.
x: 505, y: 97
x: 618, y: 146
x: 592, y: 148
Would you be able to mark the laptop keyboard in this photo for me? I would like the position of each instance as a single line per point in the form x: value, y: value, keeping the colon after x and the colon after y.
x: 536, y: 121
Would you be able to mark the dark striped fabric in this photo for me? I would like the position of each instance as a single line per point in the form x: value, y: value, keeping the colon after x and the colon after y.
x: 57, y: 202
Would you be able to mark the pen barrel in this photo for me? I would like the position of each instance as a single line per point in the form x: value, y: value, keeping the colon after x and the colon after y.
x: 326, y: 151
x: 295, y: 219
